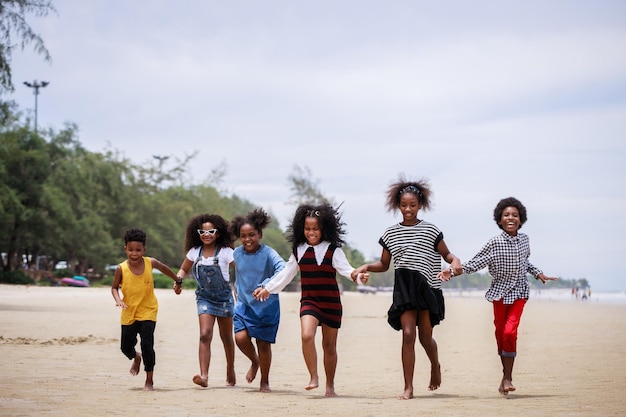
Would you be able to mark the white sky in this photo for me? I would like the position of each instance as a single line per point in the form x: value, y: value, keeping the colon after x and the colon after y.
x: 486, y: 99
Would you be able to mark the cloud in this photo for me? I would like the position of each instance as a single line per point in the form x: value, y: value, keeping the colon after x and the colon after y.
x: 484, y: 98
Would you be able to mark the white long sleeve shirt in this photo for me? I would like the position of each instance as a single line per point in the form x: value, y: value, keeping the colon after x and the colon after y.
x: 284, y: 277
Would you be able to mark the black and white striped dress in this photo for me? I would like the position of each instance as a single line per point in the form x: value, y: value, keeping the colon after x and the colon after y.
x: 417, y: 263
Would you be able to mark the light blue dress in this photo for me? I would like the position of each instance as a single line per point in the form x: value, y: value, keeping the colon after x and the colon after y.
x: 260, y: 319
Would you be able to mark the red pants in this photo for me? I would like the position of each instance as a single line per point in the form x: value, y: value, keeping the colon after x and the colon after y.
x: 506, y: 318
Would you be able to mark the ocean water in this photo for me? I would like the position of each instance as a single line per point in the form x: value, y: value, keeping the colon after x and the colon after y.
x: 560, y: 294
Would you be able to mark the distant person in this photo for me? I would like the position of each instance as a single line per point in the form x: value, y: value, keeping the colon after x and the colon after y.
x: 139, y: 305
x: 315, y: 234
x: 416, y: 247
x: 506, y: 256
x: 209, y: 253
x: 255, y: 265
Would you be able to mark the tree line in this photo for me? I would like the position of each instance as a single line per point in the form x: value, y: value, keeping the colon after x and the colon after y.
x: 60, y: 201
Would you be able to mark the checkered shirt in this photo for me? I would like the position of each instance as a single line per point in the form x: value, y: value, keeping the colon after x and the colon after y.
x: 507, y: 259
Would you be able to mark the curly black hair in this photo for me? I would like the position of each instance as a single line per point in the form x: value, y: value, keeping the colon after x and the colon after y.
x: 135, y: 235
x: 420, y: 188
x: 509, y: 202
x: 329, y: 221
x: 192, y: 238
x: 257, y: 218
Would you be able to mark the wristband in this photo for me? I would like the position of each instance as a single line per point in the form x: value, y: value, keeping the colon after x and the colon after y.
x: 179, y: 282
x: 451, y: 272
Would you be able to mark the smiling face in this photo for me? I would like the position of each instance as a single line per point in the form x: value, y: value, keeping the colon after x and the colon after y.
x: 409, y: 206
x: 207, y: 238
x: 510, y: 220
x: 134, y: 252
x: 312, y: 231
x: 250, y: 238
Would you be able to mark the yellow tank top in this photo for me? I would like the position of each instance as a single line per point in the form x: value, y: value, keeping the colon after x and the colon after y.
x: 138, y: 294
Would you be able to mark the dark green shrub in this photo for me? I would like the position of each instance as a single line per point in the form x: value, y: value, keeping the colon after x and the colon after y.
x: 16, y: 277
x: 107, y: 281
x: 62, y: 273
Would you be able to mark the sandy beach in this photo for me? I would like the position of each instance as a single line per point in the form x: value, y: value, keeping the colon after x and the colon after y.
x: 59, y: 355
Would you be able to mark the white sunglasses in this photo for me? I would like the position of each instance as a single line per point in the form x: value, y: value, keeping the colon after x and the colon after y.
x: 211, y: 232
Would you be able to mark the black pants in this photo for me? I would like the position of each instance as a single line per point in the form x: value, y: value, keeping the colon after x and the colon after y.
x: 145, y: 330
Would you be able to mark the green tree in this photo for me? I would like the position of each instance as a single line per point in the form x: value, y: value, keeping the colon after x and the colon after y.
x: 24, y: 164
x: 14, y: 28
x: 305, y: 190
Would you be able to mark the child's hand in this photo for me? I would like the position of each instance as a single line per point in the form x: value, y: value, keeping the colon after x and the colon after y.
x: 261, y: 294
x: 121, y: 304
x: 361, y: 278
x: 445, y: 275
x: 543, y: 278
x: 178, y: 288
x: 360, y: 273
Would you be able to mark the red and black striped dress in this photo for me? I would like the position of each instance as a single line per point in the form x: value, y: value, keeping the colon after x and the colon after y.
x: 320, y: 292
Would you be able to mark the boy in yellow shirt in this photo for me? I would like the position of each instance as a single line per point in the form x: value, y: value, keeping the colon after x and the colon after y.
x: 139, y: 305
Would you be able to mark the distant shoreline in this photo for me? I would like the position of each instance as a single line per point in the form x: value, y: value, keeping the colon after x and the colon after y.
x: 556, y: 294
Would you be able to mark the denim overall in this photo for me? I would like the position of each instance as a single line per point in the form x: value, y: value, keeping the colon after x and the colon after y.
x: 213, y: 295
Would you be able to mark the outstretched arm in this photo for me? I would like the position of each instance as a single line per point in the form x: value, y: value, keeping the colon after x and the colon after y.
x: 341, y: 264
x: 449, y: 257
x: 380, y: 266
x: 279, y: 281
x: 543, y: 278
x: 168, y: 271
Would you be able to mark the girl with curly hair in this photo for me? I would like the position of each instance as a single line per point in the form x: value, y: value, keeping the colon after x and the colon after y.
x: 416, y: 248
x: 315, y: 234
x: 255, y: 265
x: 506, y: 256
x: 209, y: 253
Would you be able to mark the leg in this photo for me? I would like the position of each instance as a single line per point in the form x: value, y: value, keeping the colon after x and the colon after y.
x: 127, y: 345
x: 408, y: 319
x: 244, y: 343
x: 226, y: 334
x: 430, y: 347
x: 308, y: 326
x: 329, y: 345
x: 507, y: 374
x: 128, y: 341
x: 207, y: 322
x: 265, y: 362
x: 509, y: 342
x: 499, y: 319
x: 147, y: 351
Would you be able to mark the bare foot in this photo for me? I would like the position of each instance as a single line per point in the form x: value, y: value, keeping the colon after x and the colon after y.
x: 330, y: 391
x: 501, y: 388
x: 507, y: 386
x: 406, y: 395
x: 134, y: 369
x: 435, y: 378
x: 313, y: 383
x: 265, y: 387
x: 203, y: 381
x: 231, y: 379
x: 251, y: 374
x: 148, y: 387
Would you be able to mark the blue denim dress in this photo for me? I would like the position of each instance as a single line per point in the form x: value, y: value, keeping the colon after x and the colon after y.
x: 213, y: 295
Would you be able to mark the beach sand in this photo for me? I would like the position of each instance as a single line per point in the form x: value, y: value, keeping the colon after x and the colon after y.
x: 60, y: 356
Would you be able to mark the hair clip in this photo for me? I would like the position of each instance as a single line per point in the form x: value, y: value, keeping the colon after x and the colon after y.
x: 410, y: 189
x: 313, y: 213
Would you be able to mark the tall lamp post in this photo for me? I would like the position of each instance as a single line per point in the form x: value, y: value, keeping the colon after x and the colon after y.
x: 36, y: 86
